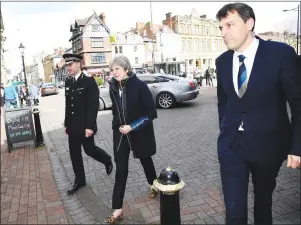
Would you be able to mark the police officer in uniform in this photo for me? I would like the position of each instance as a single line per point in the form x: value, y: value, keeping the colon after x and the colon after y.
x: 82, y: 102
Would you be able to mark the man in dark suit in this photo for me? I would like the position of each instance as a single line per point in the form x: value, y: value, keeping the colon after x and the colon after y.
x: 255, y: 79
x: 82, y: 102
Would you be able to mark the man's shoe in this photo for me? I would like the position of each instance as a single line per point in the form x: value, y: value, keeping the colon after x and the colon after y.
x: 74, y: 189
x: 109, y: 168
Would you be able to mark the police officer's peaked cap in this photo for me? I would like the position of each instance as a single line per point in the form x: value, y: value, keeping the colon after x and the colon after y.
x: 70, y: 58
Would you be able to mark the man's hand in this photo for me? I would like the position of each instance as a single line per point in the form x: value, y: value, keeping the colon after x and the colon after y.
x: 89, y: 132
x: 293, y: 161
x: 125, y: 129
x: 65, y: 131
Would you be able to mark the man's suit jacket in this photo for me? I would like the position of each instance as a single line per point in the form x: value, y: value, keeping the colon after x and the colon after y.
x: 269, y: 134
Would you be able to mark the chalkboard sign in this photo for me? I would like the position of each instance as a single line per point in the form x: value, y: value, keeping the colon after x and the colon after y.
x: 19, y: 126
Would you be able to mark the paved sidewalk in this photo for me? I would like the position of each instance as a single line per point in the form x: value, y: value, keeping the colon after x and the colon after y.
x: 28, y: 190
x: 186, y: 141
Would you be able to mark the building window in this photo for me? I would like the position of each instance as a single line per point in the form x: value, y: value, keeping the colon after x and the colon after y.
x: 215, y: 47
x: 192, y: 29
x: 136, y: 60
x: 116, y: 50
x: 79, y: 44
x: 183, y: 45
x: 208, y: 46
x: 120, y: 49
x: 98, y: 57
x: 196, y: 45
x: 97, y: 43
x: 181, y: 28
x: 95, y: 28
x: 73, y: 47
x: 187, y: 29
x: 188, y: 45
x: 220, y: 45
x: 135, y: 48
x: 197, y: 29
x: 210, y: 62
x: 207, y: 30
x: 203, y: 46
x: 202, y: 30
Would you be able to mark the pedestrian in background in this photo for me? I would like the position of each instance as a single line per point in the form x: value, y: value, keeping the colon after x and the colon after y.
x: 10, y: 96
x: 133, y: 110
x: 208, y: 76
x: 82, y: 103
x: 22, y: 94
x: 2, y: 95
x: 255, y: 80
x: 35, y: 93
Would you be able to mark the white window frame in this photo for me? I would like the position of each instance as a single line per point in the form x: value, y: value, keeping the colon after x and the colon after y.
x: 99, y: 56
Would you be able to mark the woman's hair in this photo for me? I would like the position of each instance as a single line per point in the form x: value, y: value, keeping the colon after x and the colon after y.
x: 121, y: 61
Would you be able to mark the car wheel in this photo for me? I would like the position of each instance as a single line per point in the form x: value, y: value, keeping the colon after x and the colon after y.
x: 165, y: 100
x: 101, y: 105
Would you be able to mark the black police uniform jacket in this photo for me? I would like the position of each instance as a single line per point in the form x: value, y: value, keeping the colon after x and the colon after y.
x: 82, y: 103
x: 136, y: 108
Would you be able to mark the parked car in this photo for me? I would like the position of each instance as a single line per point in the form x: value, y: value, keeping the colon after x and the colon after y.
x: 167, y: 90
x: 61, y: 84
x: 49, y: 89
x: 104, y: 97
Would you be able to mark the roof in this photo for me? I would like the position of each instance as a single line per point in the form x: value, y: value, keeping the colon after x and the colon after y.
x: 84, y: 22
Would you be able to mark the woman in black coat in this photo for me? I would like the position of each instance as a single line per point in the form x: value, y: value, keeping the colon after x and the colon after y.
x: 133, y: 112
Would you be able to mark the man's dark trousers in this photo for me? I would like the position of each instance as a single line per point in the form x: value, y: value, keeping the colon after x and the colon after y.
x: 75, y: 143
x: 235, y: 169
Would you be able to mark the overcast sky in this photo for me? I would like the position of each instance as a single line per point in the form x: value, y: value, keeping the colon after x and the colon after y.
x: 43, y: 26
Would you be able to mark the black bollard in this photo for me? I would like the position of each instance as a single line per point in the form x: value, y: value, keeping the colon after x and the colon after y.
x: 37, y: 124
x: 169, y: 184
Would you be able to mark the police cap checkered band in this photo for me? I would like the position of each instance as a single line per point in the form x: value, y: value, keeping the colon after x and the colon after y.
x: 69, y: 58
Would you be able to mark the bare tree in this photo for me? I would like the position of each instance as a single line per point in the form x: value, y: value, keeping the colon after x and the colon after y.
x: 290, y: 38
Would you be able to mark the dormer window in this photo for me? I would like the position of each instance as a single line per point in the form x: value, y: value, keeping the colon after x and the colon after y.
x: 95, y: 28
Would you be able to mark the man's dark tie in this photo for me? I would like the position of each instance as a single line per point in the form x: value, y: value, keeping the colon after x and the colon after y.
x: 242, y: 76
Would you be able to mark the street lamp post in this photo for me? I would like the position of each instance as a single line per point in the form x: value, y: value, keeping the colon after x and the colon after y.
x: 298, y: 18
x: 22, y: 48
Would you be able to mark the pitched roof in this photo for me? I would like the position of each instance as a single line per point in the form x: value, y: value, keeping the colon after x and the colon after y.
x: 82, y: 22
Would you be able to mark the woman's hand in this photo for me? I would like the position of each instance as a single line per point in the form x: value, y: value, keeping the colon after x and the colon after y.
x: 125, y: 129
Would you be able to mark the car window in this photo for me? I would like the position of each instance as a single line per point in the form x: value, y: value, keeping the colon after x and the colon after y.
x: 167, y: 78
x: 148, y: 79
x: 48, y: 85
x: 162, y: 79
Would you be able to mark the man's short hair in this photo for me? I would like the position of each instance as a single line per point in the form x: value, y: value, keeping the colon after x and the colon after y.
x: 244, y: 11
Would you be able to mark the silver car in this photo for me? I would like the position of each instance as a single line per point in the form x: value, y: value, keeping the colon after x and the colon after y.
x: 167, y: 90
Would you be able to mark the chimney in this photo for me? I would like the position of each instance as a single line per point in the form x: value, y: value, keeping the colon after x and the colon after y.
x: 103, y: 17
x: 62, y: 51
x: 168, y: 15
x: 168, y: 20
x: 139, y: 28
